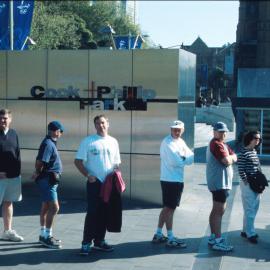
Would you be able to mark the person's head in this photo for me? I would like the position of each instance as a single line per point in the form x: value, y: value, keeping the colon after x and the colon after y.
x: 220, y: 130
x: 5, y: 119
x: 101, y: 124
x: 252, y: 139
x: 177, y: 129
x: 55, y: 129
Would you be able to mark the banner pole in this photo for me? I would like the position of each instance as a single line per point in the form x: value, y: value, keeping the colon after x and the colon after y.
x: 11, y: 21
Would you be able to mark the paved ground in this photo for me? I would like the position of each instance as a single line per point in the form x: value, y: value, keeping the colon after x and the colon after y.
x: 133, y: 249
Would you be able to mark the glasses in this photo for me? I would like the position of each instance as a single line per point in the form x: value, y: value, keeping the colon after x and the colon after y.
x: 256, y: 138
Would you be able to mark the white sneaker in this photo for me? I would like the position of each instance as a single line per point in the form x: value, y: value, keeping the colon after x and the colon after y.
x: 222, y: 246
x: 11, y: 235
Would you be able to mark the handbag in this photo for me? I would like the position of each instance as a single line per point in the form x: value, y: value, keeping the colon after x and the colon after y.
x: 257, y: 182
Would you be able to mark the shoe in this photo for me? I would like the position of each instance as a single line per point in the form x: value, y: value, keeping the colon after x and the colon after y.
x: 176, y: 242
x: 85, y: 249
x: 211, y: 241
x: 11, y: 235
x: 222, y: 246
x: 244, y: 235
x: 102, y: 246
x: 158, y: 239
x: 51, y: 243
x: 253, y: 239
x: 42, y: 239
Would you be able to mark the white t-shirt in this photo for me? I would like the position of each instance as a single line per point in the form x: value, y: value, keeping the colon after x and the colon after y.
x: 99, y: 155
x: 172, y: 152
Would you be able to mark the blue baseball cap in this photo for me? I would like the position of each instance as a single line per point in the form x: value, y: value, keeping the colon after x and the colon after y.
x: 55, y: 125
x: 220, y: 126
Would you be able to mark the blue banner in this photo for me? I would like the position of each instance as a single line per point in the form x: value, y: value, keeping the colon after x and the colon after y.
x: 22, y: 19
x: 128, y: 42
x: 4, y: 24
x: 23, y: 12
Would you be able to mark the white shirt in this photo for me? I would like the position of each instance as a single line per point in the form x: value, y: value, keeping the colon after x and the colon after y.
x: 172, y: 152
x: 100, y: 155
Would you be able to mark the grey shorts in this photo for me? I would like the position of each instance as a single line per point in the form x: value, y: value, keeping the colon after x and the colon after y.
x: 10, y: 190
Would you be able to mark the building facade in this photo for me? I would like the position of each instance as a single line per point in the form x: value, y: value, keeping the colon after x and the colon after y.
x: 252, y: 66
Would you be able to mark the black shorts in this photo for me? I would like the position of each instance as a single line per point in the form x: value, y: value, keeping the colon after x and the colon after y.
x: 171, y: 193
x: 220, y: 195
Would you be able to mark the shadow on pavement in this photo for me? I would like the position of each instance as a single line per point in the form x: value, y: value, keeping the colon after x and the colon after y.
x: 41, y: 255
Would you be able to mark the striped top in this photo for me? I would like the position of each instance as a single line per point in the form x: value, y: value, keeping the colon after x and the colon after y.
x: 248, y: 163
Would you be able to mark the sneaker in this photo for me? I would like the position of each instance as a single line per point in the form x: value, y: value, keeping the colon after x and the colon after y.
x: 11, y: 235
x: 176, y: 242
x: 253, y: 239
x: 244, y: 235
x: 42, y: 239
x: 157, y: 239
x: 222, y: 246
x: 103, y: 246
x: 85, y: 249
x: 51, y: 243
x: 211, y: 240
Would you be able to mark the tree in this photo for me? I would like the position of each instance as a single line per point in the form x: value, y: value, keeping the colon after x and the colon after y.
x: 76, y: 24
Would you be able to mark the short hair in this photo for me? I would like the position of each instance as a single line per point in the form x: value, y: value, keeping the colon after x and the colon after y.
x: 100, y: 116
x: 249, y: 136
x: 5, y: 111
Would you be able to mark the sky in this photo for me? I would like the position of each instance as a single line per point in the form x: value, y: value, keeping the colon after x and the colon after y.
x: 171, y: 23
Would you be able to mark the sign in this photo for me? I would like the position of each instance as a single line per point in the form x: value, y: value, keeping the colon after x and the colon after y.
x: 102, y: 98
x: 4, y: 25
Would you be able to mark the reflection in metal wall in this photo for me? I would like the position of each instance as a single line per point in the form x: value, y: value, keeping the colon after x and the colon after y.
x: 141, y: 91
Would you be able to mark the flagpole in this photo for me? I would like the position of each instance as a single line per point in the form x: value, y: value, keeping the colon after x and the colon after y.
x: 11, y: 22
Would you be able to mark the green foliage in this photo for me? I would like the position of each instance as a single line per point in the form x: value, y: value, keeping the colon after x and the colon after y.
x: 75, y: 24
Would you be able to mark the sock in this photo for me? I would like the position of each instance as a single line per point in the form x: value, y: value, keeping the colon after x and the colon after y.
x: 42, y: 231
x: 212, y: 236
x: 170, y: 234
x: 48, y: 232
x: 159, y: 231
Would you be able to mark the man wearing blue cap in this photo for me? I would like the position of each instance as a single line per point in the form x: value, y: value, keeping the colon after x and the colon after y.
x: 219, y: 174
x: 47, y: 174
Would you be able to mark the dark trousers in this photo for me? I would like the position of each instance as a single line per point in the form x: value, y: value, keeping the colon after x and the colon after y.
x: 95, y: 220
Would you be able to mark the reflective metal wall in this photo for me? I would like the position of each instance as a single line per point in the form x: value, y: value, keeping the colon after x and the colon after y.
x: 170, y: 74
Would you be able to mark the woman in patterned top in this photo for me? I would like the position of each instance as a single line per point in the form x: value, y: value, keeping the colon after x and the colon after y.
x: 249, y: 164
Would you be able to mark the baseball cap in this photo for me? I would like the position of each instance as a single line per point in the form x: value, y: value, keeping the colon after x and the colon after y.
x: 177, y: 124
x: 220, y: 126
x: 55, y: 125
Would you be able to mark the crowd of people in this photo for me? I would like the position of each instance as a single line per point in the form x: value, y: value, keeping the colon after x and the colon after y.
x: 98, y: 157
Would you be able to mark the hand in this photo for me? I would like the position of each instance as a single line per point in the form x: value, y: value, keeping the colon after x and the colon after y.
x: 3, y: 175
x: 34, y: 175
x: 91, y: 178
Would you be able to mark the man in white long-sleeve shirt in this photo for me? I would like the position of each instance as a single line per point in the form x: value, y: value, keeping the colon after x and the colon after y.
x: 174, y: 155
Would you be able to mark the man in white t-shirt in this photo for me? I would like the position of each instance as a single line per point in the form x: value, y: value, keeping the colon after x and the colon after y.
x: 98, y: 155
x: 174, y: 155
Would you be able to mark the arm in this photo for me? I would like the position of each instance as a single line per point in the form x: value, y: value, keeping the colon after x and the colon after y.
x: 79, y: 165
x: 229, y: 160
x: 241, y: 167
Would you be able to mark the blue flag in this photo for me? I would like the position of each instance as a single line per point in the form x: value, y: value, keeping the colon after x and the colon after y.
x: 128, y: 42
x: 23, y: 13
x: 4, y: 27
x: 22, y: 19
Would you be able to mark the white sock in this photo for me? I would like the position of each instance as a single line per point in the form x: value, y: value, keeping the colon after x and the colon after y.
x: 48, y: 232
x: 42, y: 231
x: 159, y: 231
x: 170, y: 234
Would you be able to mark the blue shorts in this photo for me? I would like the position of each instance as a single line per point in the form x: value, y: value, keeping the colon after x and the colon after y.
x: 48, y: 192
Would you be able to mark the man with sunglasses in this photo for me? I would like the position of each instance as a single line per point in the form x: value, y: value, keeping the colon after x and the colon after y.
x: 47, y: 174
x: 219, y: 174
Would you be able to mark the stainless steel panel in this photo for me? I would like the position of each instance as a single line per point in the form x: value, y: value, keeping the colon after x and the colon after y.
x: 157, y: 70
x: 145, y: 178
x: 151, y: 126
x: 3, y: 74
x: 25, y: 69
x: 29, y: 119
x: 73, y: 119
x: 68, y: 70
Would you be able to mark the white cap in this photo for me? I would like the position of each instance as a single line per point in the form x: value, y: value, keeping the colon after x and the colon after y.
x: 177, y: 124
